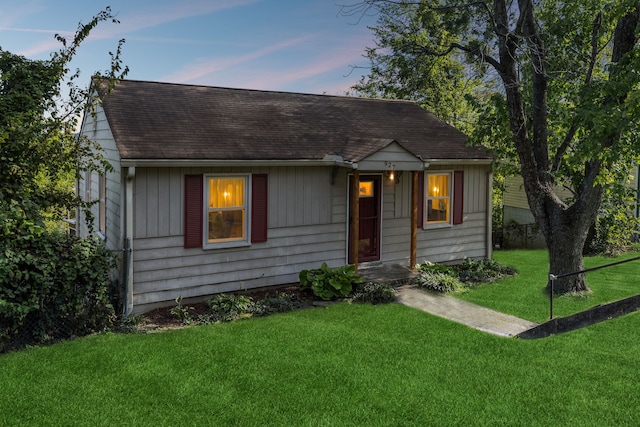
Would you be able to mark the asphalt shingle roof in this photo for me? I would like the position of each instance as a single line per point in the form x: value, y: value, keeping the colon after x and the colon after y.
x: 151, y: 120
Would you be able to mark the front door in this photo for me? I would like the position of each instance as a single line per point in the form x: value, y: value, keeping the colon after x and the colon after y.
x: 369, y: 218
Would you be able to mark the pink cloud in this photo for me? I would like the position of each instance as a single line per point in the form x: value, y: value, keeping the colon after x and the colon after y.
x: 195, y: 71
x: 336, y: 61
x: 133, y: 22
x: 175, y: 12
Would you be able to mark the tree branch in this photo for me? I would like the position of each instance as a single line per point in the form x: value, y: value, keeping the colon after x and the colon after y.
x: 539, y: 84
x: 566, y: 142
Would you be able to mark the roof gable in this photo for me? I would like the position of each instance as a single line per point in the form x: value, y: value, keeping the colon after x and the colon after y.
x: 165, y: 121
x: 382, y: 154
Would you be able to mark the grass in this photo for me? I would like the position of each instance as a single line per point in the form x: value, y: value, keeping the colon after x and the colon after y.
x: 524, y: 295
x: 346, y: 365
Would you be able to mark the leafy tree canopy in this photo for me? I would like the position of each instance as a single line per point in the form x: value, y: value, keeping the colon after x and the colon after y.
x: 39, y: 150
x: 401, y: 70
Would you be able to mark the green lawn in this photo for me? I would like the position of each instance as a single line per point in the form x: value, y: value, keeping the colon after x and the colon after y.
x: 346, y: 365
x: 524, y: 295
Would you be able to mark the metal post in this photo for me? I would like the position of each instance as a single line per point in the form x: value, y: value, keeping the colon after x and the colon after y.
x: 552, y: 278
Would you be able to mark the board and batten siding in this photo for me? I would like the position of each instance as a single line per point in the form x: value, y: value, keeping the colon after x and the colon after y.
x: 307, y: 220
x: 303, y: 232
x: 442, y: 244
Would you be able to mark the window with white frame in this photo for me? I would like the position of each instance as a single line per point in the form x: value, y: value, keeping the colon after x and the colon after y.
x: 223, y: 211
x: 438, y: 198
x: 226, y: 206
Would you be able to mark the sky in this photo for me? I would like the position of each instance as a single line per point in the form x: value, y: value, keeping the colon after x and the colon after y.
x: 304, y: 46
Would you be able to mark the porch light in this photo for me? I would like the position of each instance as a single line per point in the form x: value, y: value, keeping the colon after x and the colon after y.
x: 394, y: 176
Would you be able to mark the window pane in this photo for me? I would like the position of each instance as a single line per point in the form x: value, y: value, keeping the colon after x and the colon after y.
x: 438, y: 210
x: 102, y: 204
x: 366, y: 189
x: 226, y: 192
x: 438, y: 185
x: 438, y: 200
x: 228, y: 224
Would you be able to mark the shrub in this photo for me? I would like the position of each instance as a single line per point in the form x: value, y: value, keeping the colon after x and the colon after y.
x: 482, y: 270
x: 439, y: 282
x: 329, y: 283
x: 432, y: 267
x: 53, y: 286
x: 375, y: 293
x: 227, y: 307
x: 280, y: 303
x: 447, y: 278
x: 181, y: 312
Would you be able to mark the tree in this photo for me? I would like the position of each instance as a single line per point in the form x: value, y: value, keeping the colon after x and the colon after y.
x: 38, y: 145
x: 398, y: 70
x: 569, y: 74
x: 52, y: 285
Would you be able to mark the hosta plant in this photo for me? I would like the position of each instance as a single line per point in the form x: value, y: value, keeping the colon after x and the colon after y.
x: 330, y: 283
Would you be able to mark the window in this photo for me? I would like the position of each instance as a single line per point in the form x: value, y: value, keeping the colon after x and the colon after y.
x: 366, y: 189
x: 442, y: 193
x: 226, y: 209
x: 438, y: 191
x: 222, y: 211
x: 102, y: 204
x: 87, y: 186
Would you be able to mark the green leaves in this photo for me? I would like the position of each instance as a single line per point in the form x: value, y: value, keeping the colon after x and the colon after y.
x: 408, y: 62
x: 53, y: 286
x: 40, y: 155
x: 329, y: 283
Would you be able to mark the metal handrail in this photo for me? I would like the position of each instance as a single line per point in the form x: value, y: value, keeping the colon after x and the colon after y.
x: 554, y: 277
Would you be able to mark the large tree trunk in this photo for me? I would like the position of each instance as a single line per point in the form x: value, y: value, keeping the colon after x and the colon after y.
x: 566, y: 236
x: 565, y: 228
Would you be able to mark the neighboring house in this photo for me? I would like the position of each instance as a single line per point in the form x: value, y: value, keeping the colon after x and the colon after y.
x: 519, y: 229
x: 216, y: 190
x: 518, y: 225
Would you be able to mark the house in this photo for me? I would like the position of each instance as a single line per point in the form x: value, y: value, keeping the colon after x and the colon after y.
x: 216, y: 190
x: 519, y: 229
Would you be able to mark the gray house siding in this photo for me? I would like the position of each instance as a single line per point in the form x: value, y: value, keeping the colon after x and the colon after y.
x: 97, y: 129
x: 307, y: 226
x: 302, y: 233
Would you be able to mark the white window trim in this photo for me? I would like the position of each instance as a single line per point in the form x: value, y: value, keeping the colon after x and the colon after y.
x: 102, y: 204
x: 426, y: 224
x: 205, y: 217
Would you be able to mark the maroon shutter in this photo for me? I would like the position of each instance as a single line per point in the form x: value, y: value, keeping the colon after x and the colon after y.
x: 458, y: 196
x: 193, y: 211
x: 421, y: 200
x: 259, y: 198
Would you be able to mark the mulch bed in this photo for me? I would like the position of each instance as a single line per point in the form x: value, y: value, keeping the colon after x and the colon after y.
x: 162, y: 319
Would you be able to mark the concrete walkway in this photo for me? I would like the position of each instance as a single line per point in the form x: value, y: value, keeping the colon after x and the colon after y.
x: 464, y: 312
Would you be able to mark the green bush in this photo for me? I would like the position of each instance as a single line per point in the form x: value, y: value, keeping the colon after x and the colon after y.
x: 375, y: 293
x: 228, y: 307
x: 280, y: 303
x: 329, y: 283
x: 433, y: 267
x: 181, y: 311
x: 453, y: 278
x: 482, y: 270
x: 52, y: 286
x: 439, y: 282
